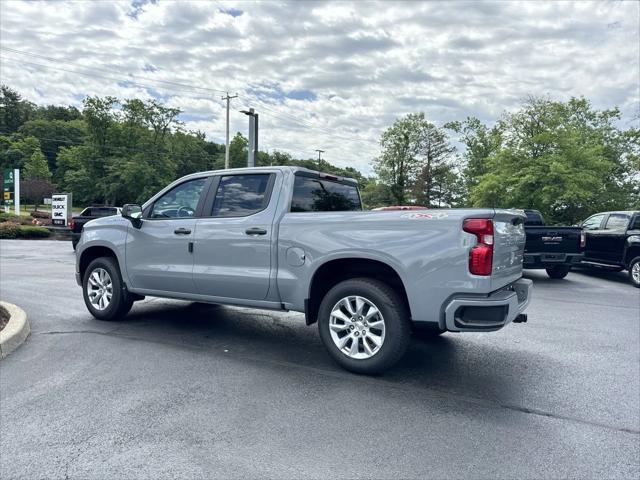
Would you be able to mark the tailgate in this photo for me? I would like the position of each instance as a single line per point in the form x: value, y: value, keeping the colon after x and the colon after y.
x: 553, y: 239
x: 508, y: 250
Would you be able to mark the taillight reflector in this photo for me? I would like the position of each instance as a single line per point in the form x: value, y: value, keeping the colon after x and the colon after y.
x: 583, y: 239
x: 480, y: 256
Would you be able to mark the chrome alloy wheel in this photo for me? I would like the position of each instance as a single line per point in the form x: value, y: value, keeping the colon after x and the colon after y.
x: 357, y: 327
x: 100, y: 288
x: 635, y: 272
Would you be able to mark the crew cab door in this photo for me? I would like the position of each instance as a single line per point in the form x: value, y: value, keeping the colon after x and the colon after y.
x: 233, y: 240
x: 158, y: 254
x: 612, y: 237
x: 592, y: 229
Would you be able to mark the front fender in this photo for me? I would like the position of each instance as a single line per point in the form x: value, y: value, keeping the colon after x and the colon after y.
x: 111, y: 236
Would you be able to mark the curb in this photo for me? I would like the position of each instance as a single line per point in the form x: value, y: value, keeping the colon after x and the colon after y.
x: 15, y: 332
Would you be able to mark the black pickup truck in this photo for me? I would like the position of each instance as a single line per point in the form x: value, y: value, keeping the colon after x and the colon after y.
x: 613, y: 242
x: 87, y: 214
x: 556, y: 249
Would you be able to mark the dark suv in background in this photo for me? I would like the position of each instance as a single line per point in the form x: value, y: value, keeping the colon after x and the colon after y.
x: 613, y: 242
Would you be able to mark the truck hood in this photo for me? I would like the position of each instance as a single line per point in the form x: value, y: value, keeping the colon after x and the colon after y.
x: 105, y: 222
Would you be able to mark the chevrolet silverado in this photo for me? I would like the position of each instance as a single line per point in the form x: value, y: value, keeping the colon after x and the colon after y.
x: 288, y: 238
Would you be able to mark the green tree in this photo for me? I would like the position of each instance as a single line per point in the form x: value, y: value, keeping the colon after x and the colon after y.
x: 14, y: 111
x: 15, y: 151
x: 36, y: 167
x: 416, y: 161
x: 375, y: 194
x: 564, y: 158
x: 238, y: 151
x: 435, y: 171
x: 53, y: 135
x: 481, y: 142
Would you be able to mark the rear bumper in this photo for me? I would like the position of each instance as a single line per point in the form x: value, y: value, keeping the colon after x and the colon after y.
x: 488, y: 313
x: 546, y: 260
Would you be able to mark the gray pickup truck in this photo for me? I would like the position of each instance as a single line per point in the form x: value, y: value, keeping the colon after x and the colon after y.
x: 288, y: 238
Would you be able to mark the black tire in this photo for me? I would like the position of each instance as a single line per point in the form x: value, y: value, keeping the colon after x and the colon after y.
x: 396, y: 320
x: 74, y: 244
x: 635, y: 279
x: 120, y: 303
x: 558, y: 272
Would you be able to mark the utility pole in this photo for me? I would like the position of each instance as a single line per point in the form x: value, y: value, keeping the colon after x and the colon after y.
x: 319, y: 159
x: 252, y: 149
x: 226, y: 149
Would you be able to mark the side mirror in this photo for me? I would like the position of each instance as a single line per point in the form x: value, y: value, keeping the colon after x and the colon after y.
x: 133, y: 213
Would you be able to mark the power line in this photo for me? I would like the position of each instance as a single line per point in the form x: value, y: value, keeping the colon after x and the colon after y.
x: 297, y: 121
x: 87, y: 74
x: 59, y: 60
x: 291, y: 119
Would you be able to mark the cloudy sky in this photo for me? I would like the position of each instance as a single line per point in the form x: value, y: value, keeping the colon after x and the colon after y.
x: 329, y: 75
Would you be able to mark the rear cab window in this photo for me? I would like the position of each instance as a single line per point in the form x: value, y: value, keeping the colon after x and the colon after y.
x: 311, y: 194
x: 617, y: 221
x: 534, y: 218
x: 104, y: 211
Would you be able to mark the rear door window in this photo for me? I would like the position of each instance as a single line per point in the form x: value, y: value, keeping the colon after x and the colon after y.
x: 318, y: 195
x: 241, y: 195
x: 617, y: 221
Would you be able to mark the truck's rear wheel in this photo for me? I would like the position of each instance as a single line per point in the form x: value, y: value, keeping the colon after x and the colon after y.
x: 634, y: 272
x: 558, y: 272
x: 102, y: 290
x: 364, y: 325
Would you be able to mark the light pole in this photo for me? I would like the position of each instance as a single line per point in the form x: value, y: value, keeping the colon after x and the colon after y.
x: 226, y: 143
x: 253, y: 136
x: 320, y: 152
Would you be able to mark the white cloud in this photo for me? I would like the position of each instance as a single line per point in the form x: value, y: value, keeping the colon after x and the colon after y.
x: 329, y: 75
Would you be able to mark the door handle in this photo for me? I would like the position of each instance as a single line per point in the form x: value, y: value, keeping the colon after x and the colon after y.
x: 182, y: 231
x: 255, y: 231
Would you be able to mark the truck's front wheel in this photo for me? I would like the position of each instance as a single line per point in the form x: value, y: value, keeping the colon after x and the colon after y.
x: 102, y: 290
x: 364, y: 325
x: 634, y: 272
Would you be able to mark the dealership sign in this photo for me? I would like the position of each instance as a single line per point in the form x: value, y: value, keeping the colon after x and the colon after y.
x: 61, y: 209
x: 11, y: 189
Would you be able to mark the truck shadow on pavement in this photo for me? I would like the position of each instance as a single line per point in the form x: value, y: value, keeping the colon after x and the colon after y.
x: 451, y: 363
x: 578, y: 274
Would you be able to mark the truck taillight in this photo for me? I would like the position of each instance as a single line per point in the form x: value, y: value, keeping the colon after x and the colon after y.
x: 72, y: 224
x: 583, y: 239
x: 480, y: 256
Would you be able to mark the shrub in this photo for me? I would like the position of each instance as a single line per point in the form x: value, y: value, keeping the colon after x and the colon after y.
x: 9, y: 230
x: 10, y: 217
x: 33, y: 231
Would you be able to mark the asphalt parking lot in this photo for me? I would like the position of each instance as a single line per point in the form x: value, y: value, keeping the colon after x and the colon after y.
x: 179, y: 390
